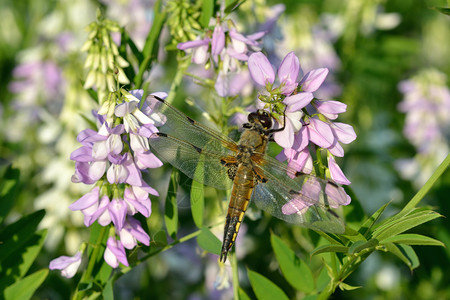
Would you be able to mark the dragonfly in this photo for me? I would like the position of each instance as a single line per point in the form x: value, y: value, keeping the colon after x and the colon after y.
x: 216, y: 160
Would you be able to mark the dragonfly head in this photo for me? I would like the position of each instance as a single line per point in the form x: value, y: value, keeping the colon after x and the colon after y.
x: 262, y: 117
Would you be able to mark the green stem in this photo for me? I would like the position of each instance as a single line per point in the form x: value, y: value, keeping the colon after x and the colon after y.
x: 150, y: 51
x: 235, y: 274
x: 182, y: 67
x: 426, y: 187
x: 92, y: 261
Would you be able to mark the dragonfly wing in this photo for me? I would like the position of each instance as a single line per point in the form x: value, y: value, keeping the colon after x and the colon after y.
x: 199, y: 164
x: 300, y: 199
x: 180, y: 126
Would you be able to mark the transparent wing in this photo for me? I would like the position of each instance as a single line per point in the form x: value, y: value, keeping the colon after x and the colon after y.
x: 180, y: 126
x: 201, y: 165
x: 300, y: 199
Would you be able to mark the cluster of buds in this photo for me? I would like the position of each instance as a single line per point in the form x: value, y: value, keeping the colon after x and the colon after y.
x: 103, y: 62
x: 112, y: 159
x: 308, y: 122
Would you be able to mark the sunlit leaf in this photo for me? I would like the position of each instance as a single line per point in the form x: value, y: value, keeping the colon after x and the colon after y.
x: 368, y: 224
x: 25, y: 288
x: 413, y: 239
x: 264, y: 288
x: 208, y: 241
x: 405, y: 223
x: 295, y: 270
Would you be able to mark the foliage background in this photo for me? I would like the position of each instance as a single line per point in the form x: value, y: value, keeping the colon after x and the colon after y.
x: 373, y: 60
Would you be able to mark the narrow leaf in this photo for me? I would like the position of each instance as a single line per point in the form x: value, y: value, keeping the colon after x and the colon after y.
x: 295, y: 270
x: 368, y: 224
x: 208, y: 241
x: 25, y: 288
x: 413, y: 239
x: 243, y: 295
x: 329, y: 248
x: 405, y: 224
x: 264, y: 288
x: 405, y: 253
x: 171, y: 208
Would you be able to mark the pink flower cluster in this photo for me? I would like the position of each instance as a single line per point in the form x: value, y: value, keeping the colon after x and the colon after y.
x: 112, y: 158
x: 309, y: 122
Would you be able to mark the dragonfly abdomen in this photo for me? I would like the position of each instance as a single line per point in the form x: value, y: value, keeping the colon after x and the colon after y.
x: 240, y: 196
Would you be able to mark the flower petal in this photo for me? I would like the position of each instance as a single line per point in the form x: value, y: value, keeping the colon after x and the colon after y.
x: 336, y: 172
x: 320, y: 133
x: 313, y: 80
x: 260, y: 69
x: 298, y: 101
x: 289, y: 68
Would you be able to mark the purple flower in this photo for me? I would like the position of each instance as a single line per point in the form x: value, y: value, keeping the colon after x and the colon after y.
x: 132, y: 232
x: 112, y: 158
x: 115, y: 253
x: 67, y: 264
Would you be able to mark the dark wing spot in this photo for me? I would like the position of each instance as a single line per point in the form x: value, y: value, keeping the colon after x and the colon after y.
x: 161, y: 134
x: 190, y: 120
x: 199, y: 150
x: 292, y: 192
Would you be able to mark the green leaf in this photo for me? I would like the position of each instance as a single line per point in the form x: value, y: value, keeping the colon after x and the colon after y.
x: 295, y: 270
x: 9, y: 186
x: 361, y: 245
x: 413, y: 239
x: 25, y: 288
x: 264, y: 288
x: 368, y: 224
x: 151, y: 46
x: 207, y: 12
x: 405, y: 223
x: 108, y: 291
x: 208, y: 241
x: 346, y: 287
x: 160, y: 238
x: 17, y: 234
x: 443, y: 10
x: 17, y: 263
x: 405, y: 253
x: 243, y: 295
x: 171, y: 207
x: 231, y: 5
x: 197, y: 203
x: 329, y: 248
